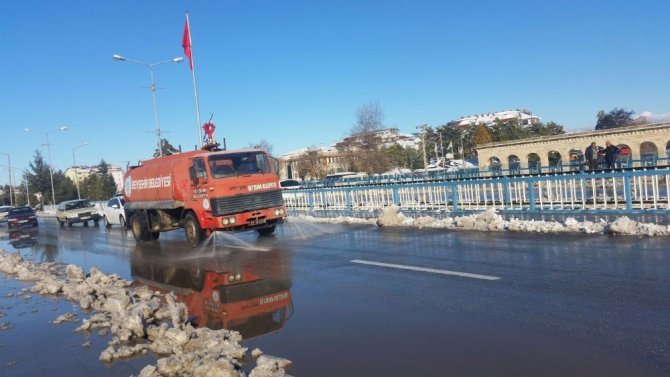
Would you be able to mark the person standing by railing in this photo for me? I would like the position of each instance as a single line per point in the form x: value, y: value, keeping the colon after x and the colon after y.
x: 591, y: 156
x: 611, y: 154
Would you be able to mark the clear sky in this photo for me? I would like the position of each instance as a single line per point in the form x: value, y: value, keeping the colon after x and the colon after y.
x: 293, y: 72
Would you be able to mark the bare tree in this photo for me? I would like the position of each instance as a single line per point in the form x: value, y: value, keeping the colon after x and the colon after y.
x: 264, y: 145
x: 363, y: 149
x: 309, y: 165
x: 369, y: 119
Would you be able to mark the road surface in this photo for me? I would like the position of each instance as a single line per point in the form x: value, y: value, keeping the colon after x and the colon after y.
x: 368, y: 301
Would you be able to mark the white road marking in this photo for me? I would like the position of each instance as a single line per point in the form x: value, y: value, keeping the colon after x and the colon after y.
x: 423, y: 269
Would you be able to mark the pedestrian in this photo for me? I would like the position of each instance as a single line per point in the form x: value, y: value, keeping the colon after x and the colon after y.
x: 591, y: 156
x: 611, y: 154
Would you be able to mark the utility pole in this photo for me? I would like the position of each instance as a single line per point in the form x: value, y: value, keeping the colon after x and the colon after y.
x: 423, y: 144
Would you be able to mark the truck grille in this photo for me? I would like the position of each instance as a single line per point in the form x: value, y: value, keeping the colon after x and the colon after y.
x: 244, y: 203
x: 254, y: 289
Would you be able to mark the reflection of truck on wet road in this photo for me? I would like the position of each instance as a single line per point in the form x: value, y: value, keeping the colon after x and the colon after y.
x: 245, y: 292
x: 203, y: 191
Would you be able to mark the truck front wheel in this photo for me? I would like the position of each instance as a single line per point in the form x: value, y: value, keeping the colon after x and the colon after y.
x: 194, y: 234
x: 139, y: 228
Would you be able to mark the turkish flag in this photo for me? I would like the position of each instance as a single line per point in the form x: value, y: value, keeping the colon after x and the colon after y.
x: 186, y: 44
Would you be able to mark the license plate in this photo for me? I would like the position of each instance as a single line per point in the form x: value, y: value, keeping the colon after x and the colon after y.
x: 85, y: 218
x: 256, y: 222
x: 23, y: 221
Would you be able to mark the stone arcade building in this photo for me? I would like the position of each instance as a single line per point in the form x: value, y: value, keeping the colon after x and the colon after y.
x: 648, y: 141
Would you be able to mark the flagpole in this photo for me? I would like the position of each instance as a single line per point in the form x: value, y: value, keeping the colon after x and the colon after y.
x: 195, y: 85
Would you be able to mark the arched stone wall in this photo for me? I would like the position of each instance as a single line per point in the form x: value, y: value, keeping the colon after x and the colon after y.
x: 633, y: 136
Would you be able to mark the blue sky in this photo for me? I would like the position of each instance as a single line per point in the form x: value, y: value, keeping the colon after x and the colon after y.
x: 294, y: 72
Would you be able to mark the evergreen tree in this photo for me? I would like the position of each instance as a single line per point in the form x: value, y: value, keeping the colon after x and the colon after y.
x: 615, y: 118
x: 99, y: 185
x: 167, y: 148
x: 39, y: 177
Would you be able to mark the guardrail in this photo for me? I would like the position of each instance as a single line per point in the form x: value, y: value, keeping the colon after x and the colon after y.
x: 630, y: 191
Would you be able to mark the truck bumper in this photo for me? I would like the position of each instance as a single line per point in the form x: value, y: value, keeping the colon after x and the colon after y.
x: 258, y: 219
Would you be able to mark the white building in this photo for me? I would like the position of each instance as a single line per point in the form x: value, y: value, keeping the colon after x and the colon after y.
x: 81, y: 172
x: 330, y: 157
x: 524, y: 117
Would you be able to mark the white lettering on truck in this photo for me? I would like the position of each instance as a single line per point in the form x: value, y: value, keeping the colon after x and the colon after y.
x: 146, y: 183
x: 262, y: 186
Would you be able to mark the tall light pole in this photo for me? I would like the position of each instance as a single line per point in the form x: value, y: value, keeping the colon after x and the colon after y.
x: 151, y: 66
x: 9, y: 163
x: 51, y: 170
x: 74, y: 167
x: 423, y: 128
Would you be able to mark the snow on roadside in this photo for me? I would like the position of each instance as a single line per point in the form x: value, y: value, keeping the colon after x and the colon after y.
x: 141, y: 321
x: 492, y: 221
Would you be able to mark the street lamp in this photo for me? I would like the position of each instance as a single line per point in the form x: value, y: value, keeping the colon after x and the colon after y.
x: 74, y: 167
x: 151, y: 66
x: 9, y: 163
x: 51, y: 171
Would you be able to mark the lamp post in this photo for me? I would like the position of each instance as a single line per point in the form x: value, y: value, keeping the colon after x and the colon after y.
x: 74, y: 167
x: 51, y: 171
x: 9, y: 163
x: 151, y: 66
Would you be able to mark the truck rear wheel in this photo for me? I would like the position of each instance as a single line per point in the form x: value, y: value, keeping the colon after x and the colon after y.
x: 194, y: 234
x: 139, y: 228
x: 266, y: 231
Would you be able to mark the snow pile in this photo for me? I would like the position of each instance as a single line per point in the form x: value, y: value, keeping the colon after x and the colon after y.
x: 391, y: 216
x: 626, y: 226
x: 343, y: 220
x: 142, y: 321
x: 490, y: 220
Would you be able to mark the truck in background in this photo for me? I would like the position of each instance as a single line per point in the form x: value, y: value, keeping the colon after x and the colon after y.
x: 204, y: 191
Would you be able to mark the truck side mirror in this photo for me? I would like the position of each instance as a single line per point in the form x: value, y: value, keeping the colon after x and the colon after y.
x: 275, y: 165
x: 191, y: 174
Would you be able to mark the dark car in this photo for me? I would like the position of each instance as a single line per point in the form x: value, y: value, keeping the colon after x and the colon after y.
x: 289, y: 184
x: 21, y: 216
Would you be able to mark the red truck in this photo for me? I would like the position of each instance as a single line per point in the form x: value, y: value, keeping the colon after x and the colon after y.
x: 204, y: 191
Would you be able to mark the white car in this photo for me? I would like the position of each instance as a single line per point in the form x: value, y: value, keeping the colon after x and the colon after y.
x: 114, y: 214
x: 4, y: 211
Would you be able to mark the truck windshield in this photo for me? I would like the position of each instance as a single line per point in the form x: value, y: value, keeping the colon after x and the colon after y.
x: 244, y: 163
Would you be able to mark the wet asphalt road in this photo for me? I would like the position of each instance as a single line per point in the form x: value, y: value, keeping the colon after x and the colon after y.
x: 583, y: 305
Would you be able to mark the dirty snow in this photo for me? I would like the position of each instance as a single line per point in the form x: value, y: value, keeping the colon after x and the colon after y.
x: 141, y: 321
x: 491, y: 220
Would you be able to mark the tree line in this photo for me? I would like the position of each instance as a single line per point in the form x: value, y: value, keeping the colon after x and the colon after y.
x: 99, y: 185
x: 363, y: 150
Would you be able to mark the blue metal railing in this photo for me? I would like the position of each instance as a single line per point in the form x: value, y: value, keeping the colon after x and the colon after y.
x: 621, y: 191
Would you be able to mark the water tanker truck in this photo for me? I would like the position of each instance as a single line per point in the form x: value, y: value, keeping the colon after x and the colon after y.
x: 204, y: 191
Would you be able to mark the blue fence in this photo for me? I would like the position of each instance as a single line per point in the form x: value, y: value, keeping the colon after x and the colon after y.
x: 630, y: 191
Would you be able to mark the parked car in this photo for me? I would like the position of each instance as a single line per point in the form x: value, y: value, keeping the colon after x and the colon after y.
x: 4, y: 210
x: 114, y: 214
x: 289, y: 184
x: 77, y: 211
x: 21, y: 216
